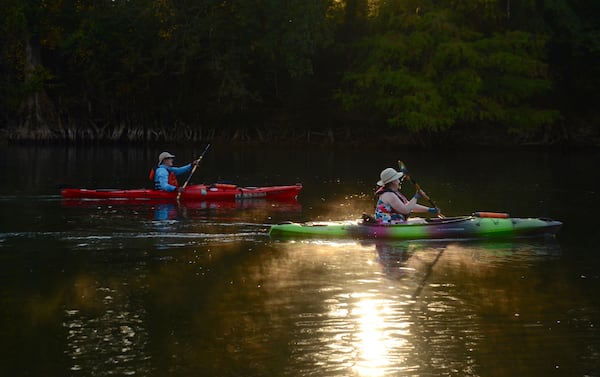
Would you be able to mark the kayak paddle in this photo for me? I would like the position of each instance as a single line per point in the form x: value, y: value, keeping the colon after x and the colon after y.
x: 192, y: 172
x: 404, y: 169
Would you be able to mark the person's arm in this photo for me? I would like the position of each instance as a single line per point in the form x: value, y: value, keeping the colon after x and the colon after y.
x: 397, y: 204
x: 410, y: 206
x: 420, y: 208
x: 181, y: 170
x: 162, y: 176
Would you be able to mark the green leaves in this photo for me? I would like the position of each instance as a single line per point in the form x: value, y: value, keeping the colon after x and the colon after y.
x: 418, y: 66
x: 432, y: 74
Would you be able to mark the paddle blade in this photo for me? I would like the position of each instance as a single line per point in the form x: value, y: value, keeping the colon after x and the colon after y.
x: 402, y: 167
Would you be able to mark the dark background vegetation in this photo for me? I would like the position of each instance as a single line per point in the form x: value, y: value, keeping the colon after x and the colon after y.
x: 415, y: 72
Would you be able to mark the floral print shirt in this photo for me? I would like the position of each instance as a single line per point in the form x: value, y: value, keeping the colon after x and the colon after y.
x: 385, y: 214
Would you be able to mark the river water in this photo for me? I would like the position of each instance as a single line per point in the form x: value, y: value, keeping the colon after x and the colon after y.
x: 107, y: 289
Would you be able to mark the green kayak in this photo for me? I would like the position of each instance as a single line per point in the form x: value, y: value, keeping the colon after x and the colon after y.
x: 478, y: 225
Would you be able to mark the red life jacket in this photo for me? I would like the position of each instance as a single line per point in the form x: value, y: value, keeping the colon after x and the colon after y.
x: 172, y: 178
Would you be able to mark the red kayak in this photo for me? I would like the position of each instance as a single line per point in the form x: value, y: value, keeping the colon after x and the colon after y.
x: 214, y: 192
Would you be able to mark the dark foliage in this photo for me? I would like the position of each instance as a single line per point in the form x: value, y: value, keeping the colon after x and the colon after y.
x: 421, y: 72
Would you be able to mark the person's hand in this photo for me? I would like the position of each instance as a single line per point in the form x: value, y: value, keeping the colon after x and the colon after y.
x: 180, y: 189
x: 434, y: 211
x: 195, y: 162
x: 420, y: 194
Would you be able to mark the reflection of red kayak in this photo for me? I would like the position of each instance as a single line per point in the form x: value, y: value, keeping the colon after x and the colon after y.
x: 169, y: 209
x: 283, y: 205
x: 215, y: 192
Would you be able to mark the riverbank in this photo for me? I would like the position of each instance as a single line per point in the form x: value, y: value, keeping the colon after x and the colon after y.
x: 287, y: 135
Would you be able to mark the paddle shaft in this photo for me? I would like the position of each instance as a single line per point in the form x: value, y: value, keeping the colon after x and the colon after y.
x: 403, y: 168
x: 426, y: 197
x: 193, y: 170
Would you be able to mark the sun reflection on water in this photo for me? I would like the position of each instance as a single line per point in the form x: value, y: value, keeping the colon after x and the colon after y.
x: 376, y: 333
x: 365, y: 328
x: 373, y: 353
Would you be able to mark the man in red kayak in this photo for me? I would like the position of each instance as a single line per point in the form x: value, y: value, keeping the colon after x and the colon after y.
x: 165, y: 175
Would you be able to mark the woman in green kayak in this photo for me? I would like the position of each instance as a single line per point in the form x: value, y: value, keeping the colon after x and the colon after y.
x: 393, y: 207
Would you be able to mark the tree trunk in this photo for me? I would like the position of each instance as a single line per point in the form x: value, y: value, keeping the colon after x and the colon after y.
x: 37, y: 110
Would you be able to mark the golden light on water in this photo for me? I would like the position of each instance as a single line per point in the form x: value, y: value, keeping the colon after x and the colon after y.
x: 373, y: 334
x: 373, y: 353
x: 380, y: 314
x: 365, y: 327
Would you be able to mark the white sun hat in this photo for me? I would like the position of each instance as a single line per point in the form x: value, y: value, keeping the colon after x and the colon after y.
x: 389, y: 175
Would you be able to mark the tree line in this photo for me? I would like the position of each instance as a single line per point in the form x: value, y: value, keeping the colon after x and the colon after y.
x: 426, y: 71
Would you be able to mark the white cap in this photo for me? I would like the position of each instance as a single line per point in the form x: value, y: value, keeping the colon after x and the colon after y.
x: 164, y: 155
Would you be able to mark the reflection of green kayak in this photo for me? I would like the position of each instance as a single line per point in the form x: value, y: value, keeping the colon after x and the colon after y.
x: 484, y: 226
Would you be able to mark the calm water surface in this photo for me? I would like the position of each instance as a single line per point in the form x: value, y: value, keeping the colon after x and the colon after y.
x: 105, y: 289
